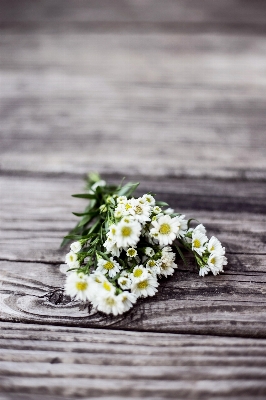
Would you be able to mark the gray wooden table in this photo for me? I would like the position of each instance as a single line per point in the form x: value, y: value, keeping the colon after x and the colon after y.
x: 171, y: 93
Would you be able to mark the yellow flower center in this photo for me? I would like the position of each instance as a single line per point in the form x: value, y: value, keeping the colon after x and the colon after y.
x: 107, y: 286
x: 213, y: 260
x: 165, y: 229
x: 124, y: 282
x: 113, y: 231
x: 81, y: 286
x: 151, y: 263
x: 131, y: 252
x: 143, y: 285
x: 138, y: 210
x: 71, y: 258
x: 164, y: 266
x: 212, y: 248
x: 137, y: 273
x: 108, y: 265
x: 110, y: 301
x: 197, y: 243
x: 128, y: 206
x: 126, y: 231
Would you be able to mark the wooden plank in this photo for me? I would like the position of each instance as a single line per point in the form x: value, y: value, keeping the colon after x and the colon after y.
x: 227, y: 305
x: 115, y: 96
x: 36, y: 213
x: 93, y: 362
x: 180, y: 11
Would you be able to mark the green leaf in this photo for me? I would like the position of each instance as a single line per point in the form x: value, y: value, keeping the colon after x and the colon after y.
x: 181, y: 254
x: 191, y: 219
x: 128, y: 189
x: 84, y: 196
x: 161, y: 203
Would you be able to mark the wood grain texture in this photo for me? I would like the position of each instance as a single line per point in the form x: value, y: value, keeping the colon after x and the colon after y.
x: 86, y: 363
x: 36, y: 212
x: 120, y: 11
x: 80, y: 101
x: 231, y: 304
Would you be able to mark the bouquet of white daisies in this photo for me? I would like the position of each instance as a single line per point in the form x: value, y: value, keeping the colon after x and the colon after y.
x: 124, y: 245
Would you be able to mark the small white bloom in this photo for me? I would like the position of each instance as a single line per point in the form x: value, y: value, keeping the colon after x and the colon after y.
x: 110, y: 267
x: 128, y: 299
x: 127, y: 233
x: 183, y: 225
x: 111, y: 246
x: 131, y: 252
x: 109, y: 303
x: 149, y: 199
x: 72, y: 259
x: 139, y: 272
x: 156, y: 210
x: 79, y: 286
x: 204, y: 270
x: 149, y: 251
x: 169, y: 211
x: 215, y: 263
x: 145, y: 287
x: 153, y: 266
x: 118, y: 213
x: 214, y: 245
x: 167, y: 264
x: 124, y: 283
x: 201, y: 228
x: 165, y: 229
x: 121, y: 199
x: 140, y: 211
x: 75, y: 247
x: 198, y: 241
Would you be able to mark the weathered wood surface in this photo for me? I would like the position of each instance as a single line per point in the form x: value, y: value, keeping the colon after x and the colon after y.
x: 173, y: 90
x: 76, y: 99
x: 90, y: 363
x: 231, y: 304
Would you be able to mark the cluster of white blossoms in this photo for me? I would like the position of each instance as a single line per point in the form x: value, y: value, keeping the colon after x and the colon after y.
x: 130, y: 247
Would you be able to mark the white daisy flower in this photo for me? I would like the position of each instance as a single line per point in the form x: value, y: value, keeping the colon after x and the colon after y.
x: 169, y: 211
x: 141, y: 211
x: 204, y: 270
x: 139, y: 272
x: 148, y: 199
x: 149, y: 251
x: 118, y: 213
x: 128, y: 299
x: 201, y: 228
x: 127, y: 233
x: 79, y: 286
x: 153, y: 266
x: 125, y: 273
x: 111, y: 246
x: 72, y: 260
x: 166, y: 268
x: 110, y: 267
x: 183, y: 225
x: 121, y: 199
x: 215, y: 263
x: 156, y: 210
x: 167, y: 264
x: 145, y: 287
x: 131, y: 252
x: 198, y: 242
x: 75, y: 247
x: 109, y: 303
x: 214, y: 245
x: 124, y: 283
x: 165, y: 229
